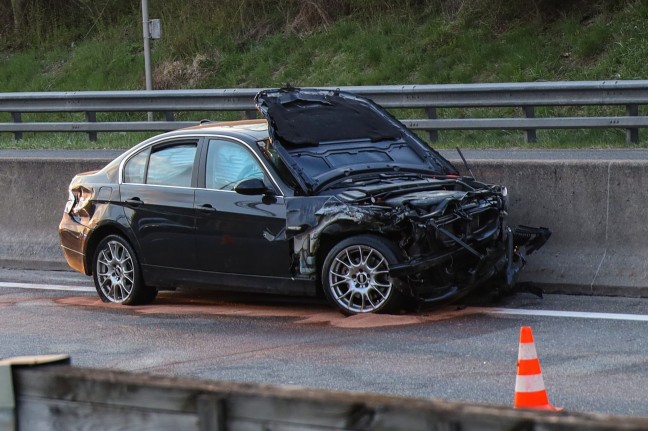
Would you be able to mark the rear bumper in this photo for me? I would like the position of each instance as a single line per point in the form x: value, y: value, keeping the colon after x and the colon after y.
x: 74, y: 239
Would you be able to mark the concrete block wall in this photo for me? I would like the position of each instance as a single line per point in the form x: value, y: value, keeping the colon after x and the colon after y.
x: 33, y: 192
x: 596, y: 210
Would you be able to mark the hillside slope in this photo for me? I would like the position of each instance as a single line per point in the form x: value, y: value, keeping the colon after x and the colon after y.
x: 87, y: 45
x: 328, y: 42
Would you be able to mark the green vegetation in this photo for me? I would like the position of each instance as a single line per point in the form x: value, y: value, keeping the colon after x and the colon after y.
x: 59, y: 45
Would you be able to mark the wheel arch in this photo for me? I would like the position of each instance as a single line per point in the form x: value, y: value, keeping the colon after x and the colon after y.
x: 337, y: 232
x: 101, y: 232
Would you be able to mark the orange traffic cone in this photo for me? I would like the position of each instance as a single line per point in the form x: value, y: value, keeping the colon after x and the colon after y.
x: 530, y: 392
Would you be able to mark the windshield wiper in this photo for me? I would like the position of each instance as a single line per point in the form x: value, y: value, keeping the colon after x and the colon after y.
x: 376, y: 178
x: 393, y: 175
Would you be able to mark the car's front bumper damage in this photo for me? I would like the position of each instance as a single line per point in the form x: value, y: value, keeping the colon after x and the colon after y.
x: 448, y: 248
x: 499, y: 264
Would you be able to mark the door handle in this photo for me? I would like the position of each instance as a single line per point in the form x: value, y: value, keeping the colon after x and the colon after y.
x: 206, y: 208
x: 134, y: 201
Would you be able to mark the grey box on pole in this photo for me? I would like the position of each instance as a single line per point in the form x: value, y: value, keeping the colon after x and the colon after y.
x: 155, y: 29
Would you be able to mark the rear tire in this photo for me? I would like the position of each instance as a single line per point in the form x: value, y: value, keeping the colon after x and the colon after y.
x: 117, y: 275
x: 355, y: 276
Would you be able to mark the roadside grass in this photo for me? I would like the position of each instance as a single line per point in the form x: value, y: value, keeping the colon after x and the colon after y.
x: 546, y: 139
x: 72, y: 141
x: 336, y: 43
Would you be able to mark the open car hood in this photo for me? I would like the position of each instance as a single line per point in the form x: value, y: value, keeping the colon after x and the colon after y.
x: 325, y: 135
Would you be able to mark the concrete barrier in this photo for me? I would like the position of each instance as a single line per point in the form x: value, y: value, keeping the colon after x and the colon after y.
x: 33, y: 192
x: 596, y: 212
x: 594, y: 208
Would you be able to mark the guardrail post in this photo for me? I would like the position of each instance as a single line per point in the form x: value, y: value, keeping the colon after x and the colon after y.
x: 169, y: 115
x: 250, y: 114
x: 17, y: 118
x: 211, y: 413
x: 529, y: 134
x: 91, y: 117
x: 432, y: 115
x: 632, y: 134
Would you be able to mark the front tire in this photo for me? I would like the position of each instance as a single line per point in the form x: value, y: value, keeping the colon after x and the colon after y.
x: 355, y: 276
x: 116, y: 273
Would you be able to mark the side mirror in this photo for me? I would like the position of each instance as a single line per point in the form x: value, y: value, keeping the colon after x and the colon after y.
x: 252, y: 187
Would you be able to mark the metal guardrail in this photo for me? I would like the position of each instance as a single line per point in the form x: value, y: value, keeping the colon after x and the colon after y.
x: 526, y: 96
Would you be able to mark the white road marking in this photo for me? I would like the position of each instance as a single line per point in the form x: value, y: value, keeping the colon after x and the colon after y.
x: 557, y: 313
x: 46, y: 287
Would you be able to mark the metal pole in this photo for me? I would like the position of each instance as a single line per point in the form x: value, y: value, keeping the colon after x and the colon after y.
x: 147, y: 50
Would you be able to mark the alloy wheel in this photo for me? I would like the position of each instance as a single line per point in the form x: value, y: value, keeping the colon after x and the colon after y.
x: 359, y: 279
x: 115, y: 272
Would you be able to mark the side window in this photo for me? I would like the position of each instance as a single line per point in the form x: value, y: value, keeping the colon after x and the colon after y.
x: 135, y: 168
x: 171, y: 166
x: 228, y: 163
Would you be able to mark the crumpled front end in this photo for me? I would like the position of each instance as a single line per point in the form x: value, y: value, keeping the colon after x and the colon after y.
x: 460, y: 240
x: 464, y: 242
x: 452, y: 234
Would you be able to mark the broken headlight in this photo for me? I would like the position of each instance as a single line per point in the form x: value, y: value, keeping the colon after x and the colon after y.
x: 505, y: 198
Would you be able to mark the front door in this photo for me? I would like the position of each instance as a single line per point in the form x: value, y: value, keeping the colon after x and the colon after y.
x: 233, y: 230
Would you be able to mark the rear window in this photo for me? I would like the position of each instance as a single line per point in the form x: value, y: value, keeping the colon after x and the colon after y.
x: 172, y: 166
x: 168, y: 165
x: 135, y: 168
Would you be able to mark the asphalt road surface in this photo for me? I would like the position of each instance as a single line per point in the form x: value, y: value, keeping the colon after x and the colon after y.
x: 592, y: 349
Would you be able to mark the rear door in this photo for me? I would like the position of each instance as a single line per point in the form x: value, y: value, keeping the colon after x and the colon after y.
x: 158, y: 196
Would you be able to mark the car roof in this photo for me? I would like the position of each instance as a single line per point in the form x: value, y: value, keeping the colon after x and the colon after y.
x: 256, y: 129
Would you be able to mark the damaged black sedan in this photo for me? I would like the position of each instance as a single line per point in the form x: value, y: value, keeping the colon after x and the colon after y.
x: 330, y: 193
